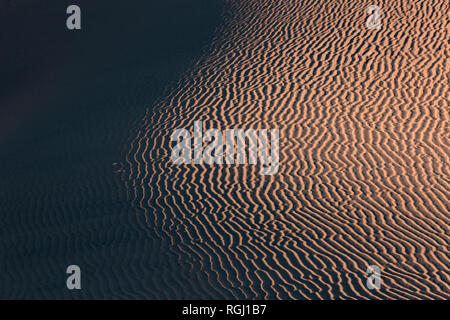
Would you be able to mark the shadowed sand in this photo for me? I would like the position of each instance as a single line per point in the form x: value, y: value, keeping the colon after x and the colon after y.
x: 364, y: 157
x: 69, y: 101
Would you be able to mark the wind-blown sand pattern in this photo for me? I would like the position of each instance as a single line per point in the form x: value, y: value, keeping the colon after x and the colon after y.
x: 364, y: 172
x: 68, y: 102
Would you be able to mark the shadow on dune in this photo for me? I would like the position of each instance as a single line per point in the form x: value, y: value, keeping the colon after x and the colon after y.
x: 68, y: 106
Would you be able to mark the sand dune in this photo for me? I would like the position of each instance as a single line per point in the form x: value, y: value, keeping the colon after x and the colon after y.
x: 68, y: 101
x: 364, y: 172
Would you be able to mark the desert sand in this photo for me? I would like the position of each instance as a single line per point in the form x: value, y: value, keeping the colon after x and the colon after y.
x: 364, y: 157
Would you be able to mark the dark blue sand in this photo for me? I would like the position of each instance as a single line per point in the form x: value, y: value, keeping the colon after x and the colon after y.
x: 69, y: 101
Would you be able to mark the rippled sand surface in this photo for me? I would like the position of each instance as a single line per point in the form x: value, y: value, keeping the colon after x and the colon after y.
x: 364, y: 172
x: 68, y: 102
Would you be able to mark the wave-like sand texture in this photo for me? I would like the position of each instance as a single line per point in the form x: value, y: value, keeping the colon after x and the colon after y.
x: 364, y: 172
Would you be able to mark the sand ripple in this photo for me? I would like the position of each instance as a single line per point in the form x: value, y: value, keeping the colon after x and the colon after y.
x: 364, y: 172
